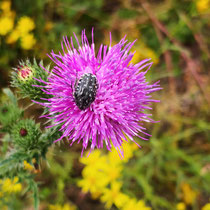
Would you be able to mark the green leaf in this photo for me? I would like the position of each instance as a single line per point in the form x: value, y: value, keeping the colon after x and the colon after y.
x: 35, y: 195
x: 10, y: 95
x: 13, y: 164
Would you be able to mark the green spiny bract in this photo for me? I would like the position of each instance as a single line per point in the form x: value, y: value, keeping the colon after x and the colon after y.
x: 9, y: 114
x: 23, y: 78
x: 25, y: 135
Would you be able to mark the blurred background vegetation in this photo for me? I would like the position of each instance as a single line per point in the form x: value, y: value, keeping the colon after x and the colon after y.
x: 172, y: 170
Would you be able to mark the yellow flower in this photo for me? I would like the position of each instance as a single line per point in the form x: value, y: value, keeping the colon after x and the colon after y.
x: 206, y: 207
x: 143, y: 52
x: 130, y: 205
x: 95, y: 195
x: 189, y: 195
x: 133, y: 204
x: 93, y: 181
x: 64, y: 207
x: 28, y: 166
x: 5, y: 6
x: 6, y: 25
x: 110, y: 196
x: 95, y: 159
x: 111, y: 170
x: 128, y: 149
x: 28, y: 41
x: 203, y: 5
x: 17, y: 188
x: 121, y: 200
x: 11, y: 186
x: 141, y: 205
x: 181, y: 206
x: 13, y: 37
x: 25, y: 25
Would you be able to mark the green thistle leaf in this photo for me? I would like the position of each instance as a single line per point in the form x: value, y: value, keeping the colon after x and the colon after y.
x: 9, y: 114
x: 12, y: 165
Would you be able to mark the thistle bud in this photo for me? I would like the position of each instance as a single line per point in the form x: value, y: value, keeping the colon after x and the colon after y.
x: 25, y: 73
x: 23, y: 78
x: 25, y: 134
x: 9, y: 114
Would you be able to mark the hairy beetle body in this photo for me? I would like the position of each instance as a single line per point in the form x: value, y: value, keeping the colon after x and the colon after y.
x: 85, y: 91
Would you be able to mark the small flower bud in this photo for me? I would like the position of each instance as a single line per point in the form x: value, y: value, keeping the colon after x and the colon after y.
x: 25, y: 134
x: 25, y: 73
x: 4, y: 110
x: 23, y: 78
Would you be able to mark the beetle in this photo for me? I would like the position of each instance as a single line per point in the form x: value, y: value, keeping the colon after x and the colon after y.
x: 85, y: 90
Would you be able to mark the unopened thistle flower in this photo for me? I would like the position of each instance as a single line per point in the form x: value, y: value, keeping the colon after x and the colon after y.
x: 98, y: 98
x: 26, y: 134
x: 23, y: 78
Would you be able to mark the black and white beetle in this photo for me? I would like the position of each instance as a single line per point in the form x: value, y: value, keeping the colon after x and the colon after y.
x: 85, y: 90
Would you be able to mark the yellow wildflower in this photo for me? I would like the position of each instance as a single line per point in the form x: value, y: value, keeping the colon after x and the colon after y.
x: 112, y: 170
x: 95, y: 195
x: 25, y: 25
x: 133, y: 204
x: 206, y: 207
x: 130, y: 205
x: 93, y: 181
x: 5, y: 6
x: 128, y: 149
x: 189, y: 195
x: 6, y: 25
x: 28, y: 41
x: 66, y: 206
x: 95, y: 159
x: 114, y: 157
x: 203, y: 5
x: 141, y: 205
x: 6, y: 12
x: 110, y: 196
x: 143, y: 52
x: 10, y: 186
x: 13, y: 37
x: 28, y: 166
x: 181, y: 206
x: 121, y: 200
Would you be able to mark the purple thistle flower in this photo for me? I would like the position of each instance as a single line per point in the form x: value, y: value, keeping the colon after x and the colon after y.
x: 122, y: 93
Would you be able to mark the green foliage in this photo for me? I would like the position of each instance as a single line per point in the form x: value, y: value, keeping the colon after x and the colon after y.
x: 125, y: 13
x: 9, y: 114
x: 30, y: 145
x: 13, y: 164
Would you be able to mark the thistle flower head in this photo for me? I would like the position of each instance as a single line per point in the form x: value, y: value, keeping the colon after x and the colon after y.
x: 98, y: 98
